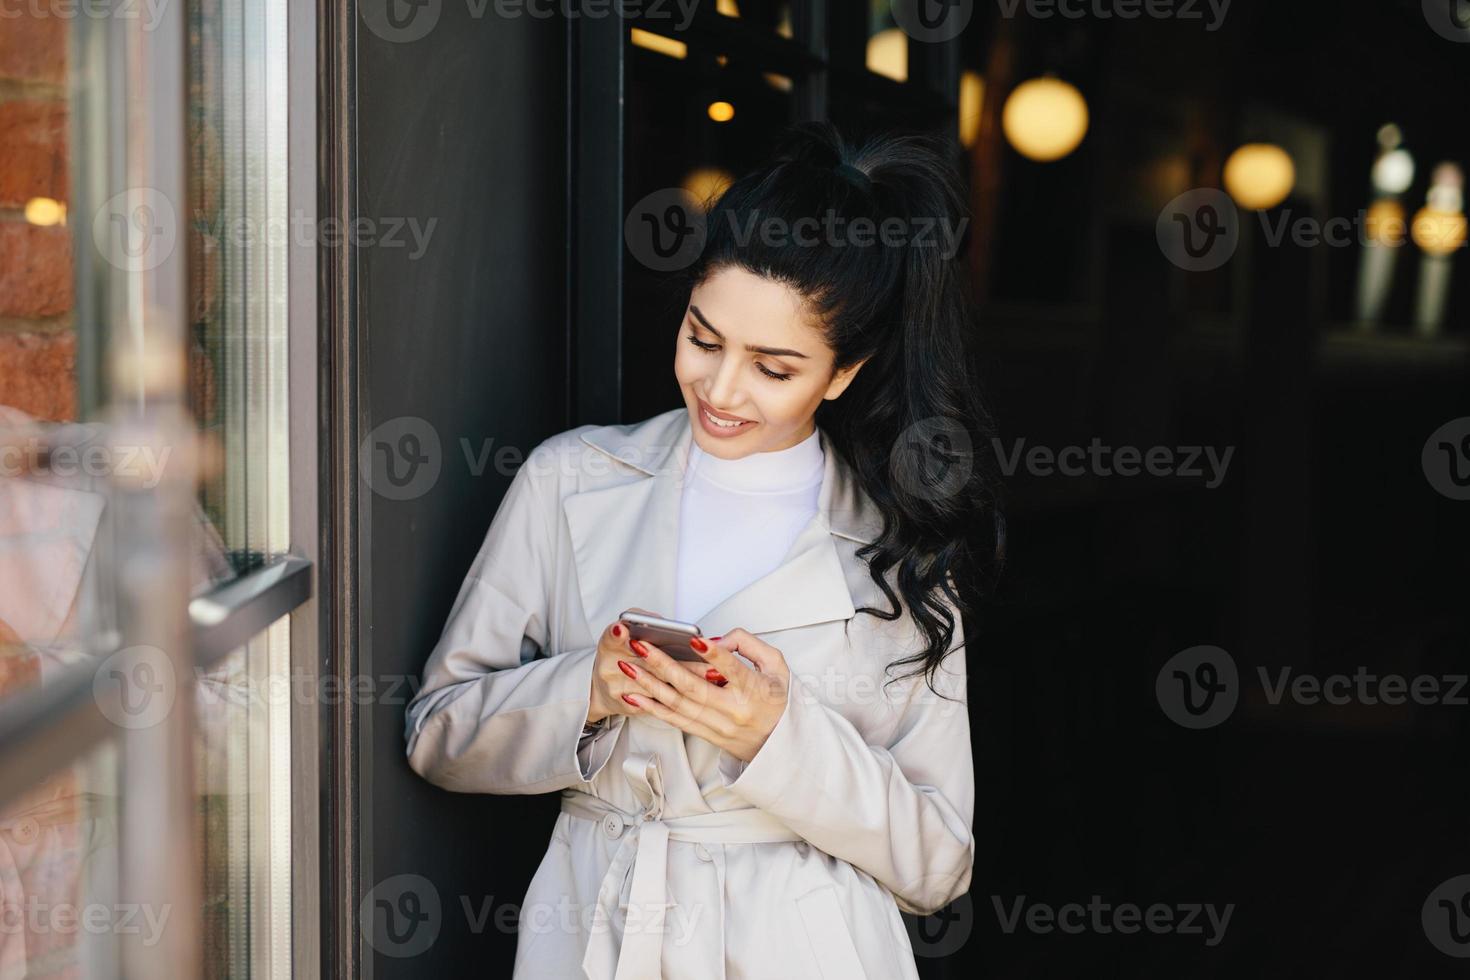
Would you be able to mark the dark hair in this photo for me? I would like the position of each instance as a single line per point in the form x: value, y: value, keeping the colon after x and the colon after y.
x: 906, y: 307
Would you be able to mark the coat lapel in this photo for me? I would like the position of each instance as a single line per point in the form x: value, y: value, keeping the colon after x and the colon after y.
x: 625, y: 538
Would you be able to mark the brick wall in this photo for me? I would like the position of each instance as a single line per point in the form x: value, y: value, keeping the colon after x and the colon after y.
x: 37, y: 335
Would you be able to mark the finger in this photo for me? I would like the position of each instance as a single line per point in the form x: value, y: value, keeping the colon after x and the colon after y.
x: 765, y: 657
x: 649, y: 683
x: 665, y: 667
x: 704, y: 672
x: 680, y: 721
x: 717, y: 658
x: 670, y: 683
x: 616, y: 634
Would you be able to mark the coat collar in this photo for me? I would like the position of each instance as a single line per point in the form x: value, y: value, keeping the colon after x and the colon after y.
x: 625, y: 537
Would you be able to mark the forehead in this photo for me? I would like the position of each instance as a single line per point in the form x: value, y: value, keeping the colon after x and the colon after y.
x: 757, y: 310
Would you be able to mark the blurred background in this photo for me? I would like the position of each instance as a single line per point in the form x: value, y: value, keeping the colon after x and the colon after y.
x: 287, y: 292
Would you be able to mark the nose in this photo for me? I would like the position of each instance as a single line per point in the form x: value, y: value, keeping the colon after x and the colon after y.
x: 723, y: 389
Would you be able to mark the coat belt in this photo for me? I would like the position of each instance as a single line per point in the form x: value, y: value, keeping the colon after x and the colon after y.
x: 643, y: 854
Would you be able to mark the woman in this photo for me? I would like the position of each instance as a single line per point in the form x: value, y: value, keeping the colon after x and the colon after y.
x: 768, y: 809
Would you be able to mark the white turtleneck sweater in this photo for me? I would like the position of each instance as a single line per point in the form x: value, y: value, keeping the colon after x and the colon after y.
x: 739, y: 517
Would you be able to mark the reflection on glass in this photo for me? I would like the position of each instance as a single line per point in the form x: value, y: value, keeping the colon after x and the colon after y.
x: 57, y: 599
x: 239, y: 235
x: 243, y: 769
x: 58, y: 876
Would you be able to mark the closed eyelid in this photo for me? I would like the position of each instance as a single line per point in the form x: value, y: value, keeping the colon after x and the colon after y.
x: 775, y: 375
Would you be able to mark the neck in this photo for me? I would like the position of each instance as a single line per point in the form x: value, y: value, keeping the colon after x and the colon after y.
x: 774, y: 471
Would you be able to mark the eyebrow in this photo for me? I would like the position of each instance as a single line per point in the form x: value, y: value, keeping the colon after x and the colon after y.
x: 773, y: 351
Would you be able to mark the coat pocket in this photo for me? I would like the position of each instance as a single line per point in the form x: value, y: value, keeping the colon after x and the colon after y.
x: 826, y: 929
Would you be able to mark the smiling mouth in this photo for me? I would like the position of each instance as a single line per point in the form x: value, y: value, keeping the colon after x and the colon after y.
x: 722, y: 423
x: 719, y: 422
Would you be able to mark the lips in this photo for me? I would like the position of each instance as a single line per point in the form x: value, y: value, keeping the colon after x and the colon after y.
x: 721, y: 424
x: 722, y: 416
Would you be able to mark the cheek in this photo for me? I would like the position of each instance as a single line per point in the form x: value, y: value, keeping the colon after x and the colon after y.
x: 689, y: 364
x: 788, y: 402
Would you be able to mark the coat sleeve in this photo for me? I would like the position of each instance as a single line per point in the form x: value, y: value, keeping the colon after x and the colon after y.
x: 901, y: 810
x: 497, y: 712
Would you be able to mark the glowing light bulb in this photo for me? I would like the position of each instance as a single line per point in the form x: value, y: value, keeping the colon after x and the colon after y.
x: 1259, y: 175
x: 1044, y: 119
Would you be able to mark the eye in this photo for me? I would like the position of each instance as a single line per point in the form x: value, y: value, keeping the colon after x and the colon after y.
x: 713, y: 347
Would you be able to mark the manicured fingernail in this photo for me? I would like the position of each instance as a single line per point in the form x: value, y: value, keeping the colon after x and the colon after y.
x: 627, y: 668
x: 714, y: 677
x: 617, y: 630
x: 715, y: 639
x: 638, y: 647
x: 629, y: 698
x: 698, y: 644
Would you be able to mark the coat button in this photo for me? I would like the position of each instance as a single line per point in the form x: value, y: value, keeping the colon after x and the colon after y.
x: 25, y: 830
x: 702, y: 852
x: 612, y: 825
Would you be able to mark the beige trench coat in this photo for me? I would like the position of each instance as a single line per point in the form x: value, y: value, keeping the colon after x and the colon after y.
x: 670, y: 857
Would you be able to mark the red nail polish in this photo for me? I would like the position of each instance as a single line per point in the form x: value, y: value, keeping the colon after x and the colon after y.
x: 699, y: 644
x: 715, y: 639
x: 629, y: 698
x: 617, y: 630
x: 714, y: 676
x: 638, y: 647
x: 627, y: 668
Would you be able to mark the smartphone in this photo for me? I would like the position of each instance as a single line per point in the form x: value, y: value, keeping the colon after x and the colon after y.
x: 669, y: 635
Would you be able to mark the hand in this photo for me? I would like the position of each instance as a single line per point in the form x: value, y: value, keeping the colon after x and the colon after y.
x: 737, y: 716
x: 610, y: 682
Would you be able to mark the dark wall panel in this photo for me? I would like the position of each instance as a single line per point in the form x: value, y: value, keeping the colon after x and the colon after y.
x: 461, y: 129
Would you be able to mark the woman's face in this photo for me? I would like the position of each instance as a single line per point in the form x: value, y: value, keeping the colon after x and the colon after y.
x: 747, y: 351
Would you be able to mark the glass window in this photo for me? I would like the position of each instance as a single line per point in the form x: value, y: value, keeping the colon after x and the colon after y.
x: 60, y: 916
x: 69, y: 296
x: 238, y: 234
x: 243, y: 774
